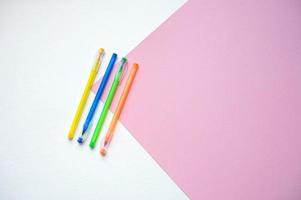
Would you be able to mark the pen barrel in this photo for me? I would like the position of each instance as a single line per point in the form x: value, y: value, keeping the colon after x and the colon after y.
x: 82, y: 103
x: 104, y: 113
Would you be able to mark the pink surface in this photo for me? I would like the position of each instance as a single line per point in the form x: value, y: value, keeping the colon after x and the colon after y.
x: 217, y: 99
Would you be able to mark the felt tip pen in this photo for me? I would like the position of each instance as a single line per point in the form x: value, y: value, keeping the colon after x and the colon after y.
x: 112, y: 92
x: 85, y: 95
x: 120, y: 105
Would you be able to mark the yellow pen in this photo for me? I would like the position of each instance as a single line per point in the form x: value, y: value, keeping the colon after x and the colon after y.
x: 85, y: 95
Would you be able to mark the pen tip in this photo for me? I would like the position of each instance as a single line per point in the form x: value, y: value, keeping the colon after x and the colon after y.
x: 103, y: 151
x: 80, y: 140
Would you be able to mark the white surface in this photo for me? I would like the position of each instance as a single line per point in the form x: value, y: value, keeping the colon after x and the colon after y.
x: 46, y: 50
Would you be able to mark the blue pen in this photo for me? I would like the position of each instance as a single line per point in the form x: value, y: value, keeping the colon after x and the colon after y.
x: 100, y: 90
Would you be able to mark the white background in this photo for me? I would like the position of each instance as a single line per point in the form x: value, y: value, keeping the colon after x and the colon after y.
x: 46, y: 52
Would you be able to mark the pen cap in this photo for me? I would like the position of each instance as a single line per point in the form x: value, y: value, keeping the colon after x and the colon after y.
x: 109, y: 68
x: 121, y: 69
x: 135, y: 66
x: 101, y: 50
x: 98, y: 59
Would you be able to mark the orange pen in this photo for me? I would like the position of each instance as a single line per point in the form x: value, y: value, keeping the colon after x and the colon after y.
x: 128, y: 84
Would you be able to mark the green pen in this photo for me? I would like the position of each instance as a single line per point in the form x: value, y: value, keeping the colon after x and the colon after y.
x: 108, y: 103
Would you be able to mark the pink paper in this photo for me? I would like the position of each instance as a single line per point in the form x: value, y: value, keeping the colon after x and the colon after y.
x: 217, y: 99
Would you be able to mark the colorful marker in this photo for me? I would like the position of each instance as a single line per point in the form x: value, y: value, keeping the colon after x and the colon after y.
x: 98, y: 95
x: 85, y: 95
x: 108, y: 103
x: 127, y: 87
